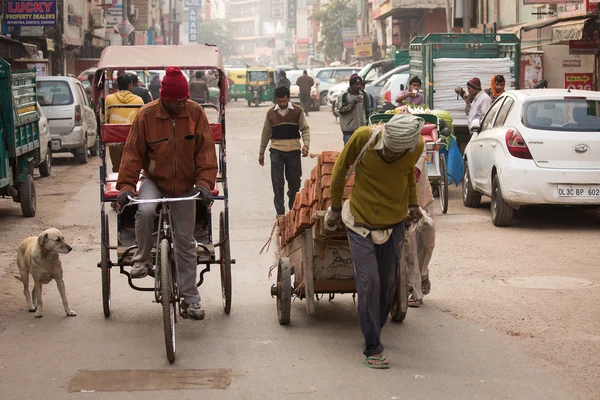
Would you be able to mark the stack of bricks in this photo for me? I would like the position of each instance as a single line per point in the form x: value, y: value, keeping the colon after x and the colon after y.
x: 315, y: 196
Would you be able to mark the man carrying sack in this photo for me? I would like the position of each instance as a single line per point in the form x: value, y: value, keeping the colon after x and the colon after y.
x: 384, y: 195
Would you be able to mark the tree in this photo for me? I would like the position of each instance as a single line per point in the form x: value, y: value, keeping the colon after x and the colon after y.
x: 333, y: 17
x: 215, y: 32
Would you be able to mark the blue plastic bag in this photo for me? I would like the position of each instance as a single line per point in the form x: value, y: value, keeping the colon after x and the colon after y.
x: 455, y: 166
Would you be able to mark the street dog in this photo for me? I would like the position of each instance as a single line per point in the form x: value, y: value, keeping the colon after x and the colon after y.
x: 38, y: 256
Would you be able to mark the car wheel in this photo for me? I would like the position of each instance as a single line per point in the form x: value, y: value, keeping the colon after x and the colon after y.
x: 46, y: 166
x: 471, y: 198
x: 502, y: 213
x: 82, y: 154
x: 323, y: 98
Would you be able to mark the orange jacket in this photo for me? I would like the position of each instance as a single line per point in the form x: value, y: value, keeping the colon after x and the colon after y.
x: 176, y: 153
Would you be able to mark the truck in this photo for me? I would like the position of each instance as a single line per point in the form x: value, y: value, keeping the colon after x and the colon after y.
x: 447, y: 61
x: 19, y: 136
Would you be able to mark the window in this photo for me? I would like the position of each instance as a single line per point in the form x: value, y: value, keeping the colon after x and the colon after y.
x: 325, y: 74
x: 344, y: 74
x: 504, y: 111
x: 572, y: 115
x: 54, y: 93
x: 488, y: 120
x: 257, y: 76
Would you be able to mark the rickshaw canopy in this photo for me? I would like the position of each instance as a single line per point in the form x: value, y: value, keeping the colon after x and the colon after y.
x: 160, y: 57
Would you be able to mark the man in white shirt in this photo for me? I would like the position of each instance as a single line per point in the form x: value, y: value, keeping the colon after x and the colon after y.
x: 479, y: 102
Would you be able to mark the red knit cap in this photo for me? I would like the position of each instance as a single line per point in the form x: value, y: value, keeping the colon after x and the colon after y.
x: 474, y: 83
x: 174, y: 86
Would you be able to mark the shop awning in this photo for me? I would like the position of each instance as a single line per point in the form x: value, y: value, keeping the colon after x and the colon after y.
x: 568, y: 30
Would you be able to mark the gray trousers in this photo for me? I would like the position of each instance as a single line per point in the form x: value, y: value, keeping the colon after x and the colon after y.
x: 375, y: 276
x: 417, y: 252
x: 183, y: 216
x: 285, y: 166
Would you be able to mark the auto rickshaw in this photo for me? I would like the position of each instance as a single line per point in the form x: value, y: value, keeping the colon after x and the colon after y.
x: 260, y: 85
x: 237, y: 90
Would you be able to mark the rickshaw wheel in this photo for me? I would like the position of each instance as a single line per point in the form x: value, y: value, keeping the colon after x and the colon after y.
x: 249, y: 103
x: 284, y: 291
x: 443, y: 186
x: 225, y: 259
x: 400, y: 304
x: 27, y: 197
x: 166, y: 296
x: 105, y: 266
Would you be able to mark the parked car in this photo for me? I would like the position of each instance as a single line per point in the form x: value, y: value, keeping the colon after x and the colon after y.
x: 535, y: 147
x: 72, y: 121
x: 293, y: 75
x: 44, y: 164
x: 330, y: 76
x: 392, y: 88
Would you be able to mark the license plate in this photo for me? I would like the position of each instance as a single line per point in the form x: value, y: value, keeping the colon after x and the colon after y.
x: 429, y: 157
x: 56, y: 145
x: 579, y: 191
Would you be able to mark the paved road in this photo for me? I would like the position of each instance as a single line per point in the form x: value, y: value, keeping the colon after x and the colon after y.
x: 476, y: 336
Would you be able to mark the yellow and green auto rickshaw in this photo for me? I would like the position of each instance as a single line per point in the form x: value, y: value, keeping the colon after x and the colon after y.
x: 260, y: 85
x: 237, y: 80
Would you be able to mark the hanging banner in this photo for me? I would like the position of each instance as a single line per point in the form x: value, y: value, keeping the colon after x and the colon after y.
x: 30, y: 13
x: 193, y: 28
x: 292, y: 12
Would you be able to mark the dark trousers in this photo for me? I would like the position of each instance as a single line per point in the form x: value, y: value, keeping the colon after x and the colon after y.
x: 347, y: 136
x: 306, y: 101
x: 285, y: 166
x: 375, y: 276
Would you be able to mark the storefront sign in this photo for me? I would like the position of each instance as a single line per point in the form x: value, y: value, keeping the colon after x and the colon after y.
x: 30, y: 12
x: 292, y: 13
x: 363, y: 48
x: 531, y: 70
x: 547, y: 1
x: 124, y: 28
x: 571, y: 63
x: 114, y: 14
x: 579, y: 81
x: 192, y: 3
x: 193, y: 28
x: 583, y: 47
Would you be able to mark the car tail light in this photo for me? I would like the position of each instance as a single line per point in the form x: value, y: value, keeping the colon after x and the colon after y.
x: 388, y: 96
x: 77, y: 115
x: 516, y: 145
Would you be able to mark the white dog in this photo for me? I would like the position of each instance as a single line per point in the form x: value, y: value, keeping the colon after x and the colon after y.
x: 38, y: 256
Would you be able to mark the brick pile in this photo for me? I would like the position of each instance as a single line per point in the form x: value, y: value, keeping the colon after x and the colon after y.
x: 315, y: 196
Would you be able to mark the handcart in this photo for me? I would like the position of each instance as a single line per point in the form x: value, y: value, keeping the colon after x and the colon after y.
x: 210, y: 251
x: 436, y: 162
x: 318, y: 262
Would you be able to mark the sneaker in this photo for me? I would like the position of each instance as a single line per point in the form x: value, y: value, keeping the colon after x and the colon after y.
x: 193, y: 311
x: 141, y: 269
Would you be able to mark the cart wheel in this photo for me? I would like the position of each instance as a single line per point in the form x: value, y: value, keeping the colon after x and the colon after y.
x: 105, y: 266
x: 225, y: 258
x: 249, y: 103
x: 166, y: 291
x: 284, y: 291
x: 443, y: 186
x: 27, y: 197
x: 400, y: 304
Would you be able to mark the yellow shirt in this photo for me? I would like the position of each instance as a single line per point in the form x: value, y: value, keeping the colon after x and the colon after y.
x: 122, y: 115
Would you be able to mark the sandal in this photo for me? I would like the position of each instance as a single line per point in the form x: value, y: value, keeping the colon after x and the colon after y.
x: 383, y: 364
x: 412, y: 302
x: 425, y: 286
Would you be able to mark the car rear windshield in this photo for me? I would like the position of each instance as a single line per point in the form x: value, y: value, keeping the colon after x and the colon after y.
x: 574, y: 115
x: 54, y: 93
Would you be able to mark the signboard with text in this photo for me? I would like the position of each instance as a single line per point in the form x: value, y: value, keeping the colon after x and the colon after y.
x: 579, y: 81
x: 583, y: 47
x: 30, y: 13
x: 292, y: 13
x: 193, y: 25
x: 363, y: 48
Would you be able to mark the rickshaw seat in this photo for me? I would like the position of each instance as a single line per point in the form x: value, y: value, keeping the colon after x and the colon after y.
x: 118, y: 133
x: 429, y: 133
x: 111, y: 192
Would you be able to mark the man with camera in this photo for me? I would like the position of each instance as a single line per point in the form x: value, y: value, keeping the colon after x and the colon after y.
x: 478, y: 102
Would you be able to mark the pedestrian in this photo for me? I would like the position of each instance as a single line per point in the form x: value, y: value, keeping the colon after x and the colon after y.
x: 199, y: 91
x: 89, y: 89
x: 478, y: 102
x: 305, y: 84
x: 383, y: 197
x: 155, y: 87
x: 283, y: 81
x: 139, y: 90
x: 412, y: 95
x: 121, y: 108
x: 171, y: 141
x: 352, y: 108
x: 420, y: 240
x: 284, y: 126
x: 497, y: 86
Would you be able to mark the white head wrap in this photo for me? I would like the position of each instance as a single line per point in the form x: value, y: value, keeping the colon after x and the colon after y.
x: 401, y: 133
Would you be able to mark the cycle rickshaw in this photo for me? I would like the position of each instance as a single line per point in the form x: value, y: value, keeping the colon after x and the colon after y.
x: 186, y: 57
x: 434, y: 132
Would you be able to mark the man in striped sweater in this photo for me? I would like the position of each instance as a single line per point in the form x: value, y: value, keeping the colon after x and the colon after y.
x: 284, y: 126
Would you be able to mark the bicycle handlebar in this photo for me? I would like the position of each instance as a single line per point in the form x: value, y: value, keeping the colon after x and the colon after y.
x: 133, y: 200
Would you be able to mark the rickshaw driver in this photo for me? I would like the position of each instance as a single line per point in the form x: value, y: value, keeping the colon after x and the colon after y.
x: 171, y: 141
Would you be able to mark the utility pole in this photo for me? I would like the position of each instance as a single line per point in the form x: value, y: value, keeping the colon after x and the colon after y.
x: 466, y: 16
x: 170, y: 21
x: 125, y: 6
x: 57, y: 57
x: 448, y: 17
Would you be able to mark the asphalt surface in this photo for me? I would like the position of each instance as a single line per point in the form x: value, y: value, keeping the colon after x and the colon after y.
x: 475, y: 337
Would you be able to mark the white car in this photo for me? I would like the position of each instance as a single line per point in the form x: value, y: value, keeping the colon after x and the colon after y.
x: 393, y: 87
x: 72, y: 120
x: 330, y: 76
x: 535, y: 147
x: 293, y: 76
x: 44, y: 163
